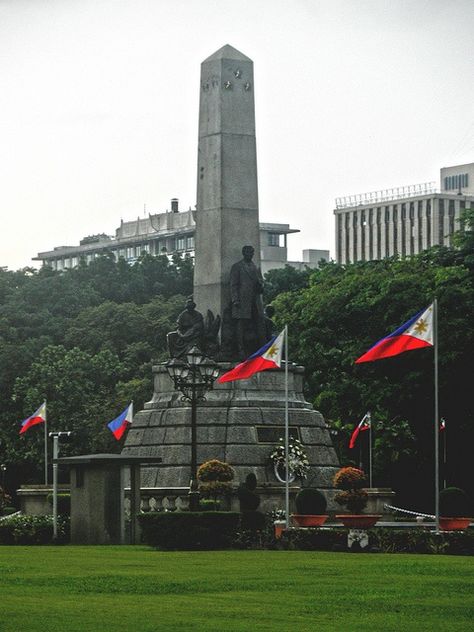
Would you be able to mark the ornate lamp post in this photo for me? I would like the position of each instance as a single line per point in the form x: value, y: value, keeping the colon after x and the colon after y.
x: 194, y: 379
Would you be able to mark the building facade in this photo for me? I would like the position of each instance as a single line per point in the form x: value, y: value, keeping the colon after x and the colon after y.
x: 169, y: 233
x: 402, y: 221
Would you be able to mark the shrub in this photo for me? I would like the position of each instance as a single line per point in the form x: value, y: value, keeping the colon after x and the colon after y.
x: 252, y: 520
x: 355, y: 500
x: 454, y: 503
x: 215, y: 470
x: 209, y: 505
x: 189, y: 531
x: 32, y: 530
x: 349, y: 478
x: 215, y: 479
x: 310, y: 501
x: 249, y: 500
x: 64, y: 503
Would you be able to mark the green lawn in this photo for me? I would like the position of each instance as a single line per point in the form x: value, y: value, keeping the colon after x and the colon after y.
x: 140, y: 590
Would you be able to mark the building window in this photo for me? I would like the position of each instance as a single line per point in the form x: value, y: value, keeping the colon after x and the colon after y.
x: 441, y: 222
x: 428, y: 223
x: 451, y: 220
x: 180, y: 243
x: 347, y: 222
x: 190, y: 243
x: 274, y: 239
x: 354, y: 232
x: 395, y: 229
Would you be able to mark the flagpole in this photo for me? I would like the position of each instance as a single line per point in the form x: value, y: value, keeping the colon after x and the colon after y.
x: 444, y: 456
x: 287, y: 437
x: 370, y: 449
x: 45, y: 444
x: 436, y: 410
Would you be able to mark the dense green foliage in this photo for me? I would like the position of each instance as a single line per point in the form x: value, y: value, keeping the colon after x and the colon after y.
x: 342, y: 313
x: 310, y: 501
x: 84, y: 340
x: 122, y: 588
x: 189, y: 530
x: 454, y: 503
x: 21, y: 529
x: 411, y: 540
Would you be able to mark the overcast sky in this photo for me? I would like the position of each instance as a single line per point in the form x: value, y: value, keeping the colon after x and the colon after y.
x: 99, y: 107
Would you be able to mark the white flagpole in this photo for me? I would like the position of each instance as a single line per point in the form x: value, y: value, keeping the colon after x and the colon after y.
x: 370, y: 448
x: 287, y: 436
x: 436, y: 410
x: 45, y: 444
x: 444, y: 456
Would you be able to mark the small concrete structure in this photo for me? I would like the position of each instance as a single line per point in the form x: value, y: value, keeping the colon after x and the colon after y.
x: 34, y: 499
x: 97, y: 497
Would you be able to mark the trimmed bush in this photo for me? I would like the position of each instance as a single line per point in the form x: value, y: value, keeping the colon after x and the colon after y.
x: 310, y: 501
x: 189, y: 531
x: 32, y: 530
x: 351, y: 480
x: 206, y: 504
x: 252, y: 521
x: 215, y: 470
x: 249, y: 500
x: 454, y: 503
x: 64, y: 503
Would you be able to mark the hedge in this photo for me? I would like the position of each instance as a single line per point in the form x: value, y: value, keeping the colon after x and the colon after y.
x: 32, y: 530
x: 412, y: 540
x: 188, y: 531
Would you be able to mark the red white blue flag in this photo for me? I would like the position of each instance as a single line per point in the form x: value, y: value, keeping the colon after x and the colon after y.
x: 267, y: 357
x: 38, y: 417
x: 121, y: 423
x: 442, y: 425
x: 364, y: 424
x: 416, y: 333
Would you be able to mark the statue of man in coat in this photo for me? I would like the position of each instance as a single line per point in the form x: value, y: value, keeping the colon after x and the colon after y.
x: 246, y: 288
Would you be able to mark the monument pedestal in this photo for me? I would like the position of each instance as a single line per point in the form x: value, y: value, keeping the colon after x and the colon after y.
x: 240, y: 423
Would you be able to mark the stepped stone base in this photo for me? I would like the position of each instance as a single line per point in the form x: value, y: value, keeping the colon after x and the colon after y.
x: 240, y: 423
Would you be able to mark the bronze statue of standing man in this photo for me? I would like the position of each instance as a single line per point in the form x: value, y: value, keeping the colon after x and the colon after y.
x: 246, y: 288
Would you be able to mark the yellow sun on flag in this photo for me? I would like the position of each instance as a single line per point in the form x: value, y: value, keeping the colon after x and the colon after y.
x: 272, y: 351
x: 420, y: 327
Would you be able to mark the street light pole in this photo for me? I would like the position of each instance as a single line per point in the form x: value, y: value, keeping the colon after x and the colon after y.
x: 56, y: 436
x: 194, y: 379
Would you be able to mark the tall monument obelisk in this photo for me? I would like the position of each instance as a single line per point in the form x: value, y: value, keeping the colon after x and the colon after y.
x: 227, y: 195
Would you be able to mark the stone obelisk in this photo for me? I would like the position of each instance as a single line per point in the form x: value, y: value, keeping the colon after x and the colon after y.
x: 227, y: 195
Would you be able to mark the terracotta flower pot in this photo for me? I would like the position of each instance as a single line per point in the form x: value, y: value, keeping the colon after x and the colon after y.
x: 280, y: 526
x: 358, y: 521
x: 309, y: 520
x: 454, y: 524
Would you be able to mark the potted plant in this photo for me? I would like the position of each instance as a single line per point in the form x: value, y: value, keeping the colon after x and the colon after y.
x: 351, y: 481
x: 310, y: 506
x: 215, y: 480
x: 454, y: 506
x: 279, y: 522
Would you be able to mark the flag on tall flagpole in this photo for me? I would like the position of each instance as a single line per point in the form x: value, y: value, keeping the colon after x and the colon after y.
x: 121, y: 423
x: 416, y: 333
x: 442, y: 425
x: 364, y: 424
x: 267, y: 357
x: 38, y: 417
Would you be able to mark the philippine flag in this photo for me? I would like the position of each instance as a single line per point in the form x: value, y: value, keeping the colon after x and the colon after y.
x: 364, y: 424
x: 121, y: 423
x: 442, y: 425
x: 39, y: 417
x: 268, y: 357
x: 416, y: 333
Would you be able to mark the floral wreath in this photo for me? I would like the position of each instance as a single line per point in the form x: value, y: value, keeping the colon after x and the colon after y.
x: 298, y: 463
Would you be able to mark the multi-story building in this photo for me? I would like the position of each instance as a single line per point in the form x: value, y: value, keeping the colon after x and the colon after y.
x: 403, y: 221
x: 169, y: 233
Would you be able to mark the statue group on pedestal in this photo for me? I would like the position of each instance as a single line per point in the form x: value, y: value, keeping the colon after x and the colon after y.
x: 246, y: 326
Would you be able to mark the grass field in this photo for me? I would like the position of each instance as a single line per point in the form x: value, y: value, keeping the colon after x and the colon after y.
x: 136, y: 589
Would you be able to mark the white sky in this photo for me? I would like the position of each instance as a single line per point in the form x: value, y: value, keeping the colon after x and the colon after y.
x: 99, y: 107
